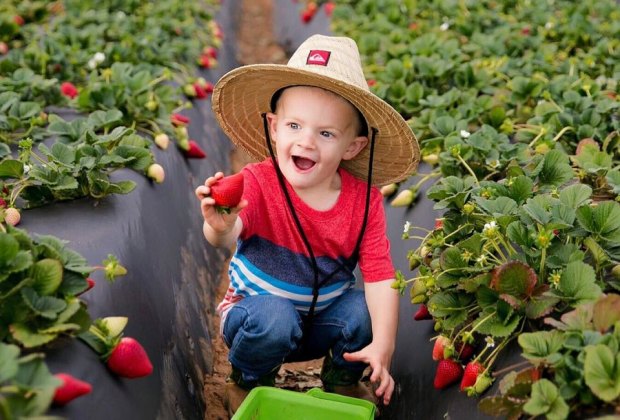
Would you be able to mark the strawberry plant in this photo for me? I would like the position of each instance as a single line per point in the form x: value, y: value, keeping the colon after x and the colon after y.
x: 572, y: 367
x: 79, y: 163
x: 41, y: 280
x: 516, y: 105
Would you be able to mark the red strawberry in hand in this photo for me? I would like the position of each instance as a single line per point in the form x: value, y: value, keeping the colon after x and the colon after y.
x: 472, y: 370
x: 448, y: 371
x: 129, y: 359
x: 70, y: 389
x: 227, y: 192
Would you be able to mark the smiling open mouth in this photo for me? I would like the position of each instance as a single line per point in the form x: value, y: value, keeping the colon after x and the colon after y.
x: 303, y: 163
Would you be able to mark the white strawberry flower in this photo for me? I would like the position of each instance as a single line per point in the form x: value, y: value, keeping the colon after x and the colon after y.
x: 465, y: 134
x: 92, y: 64
x: 444, y: 26
x: 99, y: 57
x: 407, y: 227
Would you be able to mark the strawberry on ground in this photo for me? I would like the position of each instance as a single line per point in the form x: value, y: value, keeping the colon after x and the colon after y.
x: 472, y: 370
x: 448, y: 371
x: 227, y: 192
x: 194, y: 151
x: 129, y: 359
x: 179, y: 120
x: 70, y: 389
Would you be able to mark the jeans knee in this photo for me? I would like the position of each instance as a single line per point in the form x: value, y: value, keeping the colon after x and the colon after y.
x: 271, y: 321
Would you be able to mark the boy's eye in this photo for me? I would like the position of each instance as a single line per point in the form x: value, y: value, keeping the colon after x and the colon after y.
x: 327, y: 134
x: 294, y: 126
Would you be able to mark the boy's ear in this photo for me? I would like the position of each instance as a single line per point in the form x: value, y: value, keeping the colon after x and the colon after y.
x: 355, y: 147
x: 272, y: 120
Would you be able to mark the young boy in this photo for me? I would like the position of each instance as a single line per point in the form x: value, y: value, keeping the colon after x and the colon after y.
x: 308, y: 217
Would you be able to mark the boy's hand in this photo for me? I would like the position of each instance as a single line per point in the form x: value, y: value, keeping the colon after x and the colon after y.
x: 220, y: 223
x: 379, y: 363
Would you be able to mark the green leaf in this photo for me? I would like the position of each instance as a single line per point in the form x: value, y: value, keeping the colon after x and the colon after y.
x: 63, y: 153
x: 603, y: 221
x: 575, y: 195
x: 28, y: 337
x: 579, y: 319
x: 39, y: 385
x: 546, y: 400
x: 10, y: 168
x: 578, y: 283
x: 8, y: 249
x: 45, y: 306
x: 602, y: 372
x: 501, y: 206
x: 47, y: 275
x: 541, y: 346
x: 9, y: 354
x: 520, y: 188
x: 556, y: 170
x: 494, y: 326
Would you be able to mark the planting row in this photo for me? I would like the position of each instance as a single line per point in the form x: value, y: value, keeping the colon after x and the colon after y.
x: 86, y: 88
x: 516, y: 107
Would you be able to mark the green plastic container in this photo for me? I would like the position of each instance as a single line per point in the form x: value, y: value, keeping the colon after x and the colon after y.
x: 268, y: 403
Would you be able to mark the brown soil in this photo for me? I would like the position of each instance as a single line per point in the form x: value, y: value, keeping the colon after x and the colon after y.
x: 255, y: 42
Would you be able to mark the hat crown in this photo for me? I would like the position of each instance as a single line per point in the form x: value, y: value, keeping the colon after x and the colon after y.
x: 334, y: 57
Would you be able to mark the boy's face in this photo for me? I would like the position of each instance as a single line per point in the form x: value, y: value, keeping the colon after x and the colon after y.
x: 314, y: 130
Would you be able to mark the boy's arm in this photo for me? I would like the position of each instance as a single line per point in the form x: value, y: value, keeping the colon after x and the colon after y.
x: 220, y: 229
x: 383, y: 302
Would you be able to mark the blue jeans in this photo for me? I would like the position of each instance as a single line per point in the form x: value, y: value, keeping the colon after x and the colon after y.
x: 262, y: 332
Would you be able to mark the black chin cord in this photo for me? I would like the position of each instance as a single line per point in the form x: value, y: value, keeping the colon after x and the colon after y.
x: 316, y: 285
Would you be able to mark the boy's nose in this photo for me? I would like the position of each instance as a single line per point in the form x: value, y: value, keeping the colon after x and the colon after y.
x: 306, y: 139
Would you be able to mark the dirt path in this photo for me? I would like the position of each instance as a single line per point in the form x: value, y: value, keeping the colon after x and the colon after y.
x: 256, y: 44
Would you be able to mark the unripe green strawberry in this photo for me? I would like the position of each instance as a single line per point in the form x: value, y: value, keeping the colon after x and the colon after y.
x: 115, y: 324
x: 156, y: 173
x: 12, y: 216
x: 189, y: 90
x: 404, y: 198
x: 151, y: 105
x: 431, y: 159
x: 389, y: 190
x: 418, y: 288
x: 162, y: 141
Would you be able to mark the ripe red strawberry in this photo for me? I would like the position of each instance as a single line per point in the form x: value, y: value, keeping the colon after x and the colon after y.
x: 70, y: 389
x: 439, y: 347
x: 19, y: 20
x: 129, y: 359
x: 438, y: 224
x: 201, y: 93
x: 210, y: 51
x: 2, y: 203
x: 179, y: 120
x: 448, y: 371
x: 194, y: 151
x: 227, y: 192
x: 422, y: 313
x: 329, y: 8
x: 68, y: 89
x: 464, y: 352
x: 91, y: 283
x: 472, y: 370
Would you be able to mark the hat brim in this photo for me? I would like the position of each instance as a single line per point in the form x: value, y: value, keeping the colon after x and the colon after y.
x: 241, y: 96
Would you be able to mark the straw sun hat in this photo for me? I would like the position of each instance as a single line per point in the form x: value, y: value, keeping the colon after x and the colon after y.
x: 241, y: 96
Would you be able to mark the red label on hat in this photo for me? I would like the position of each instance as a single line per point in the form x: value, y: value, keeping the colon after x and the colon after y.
x: 318, y: 57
